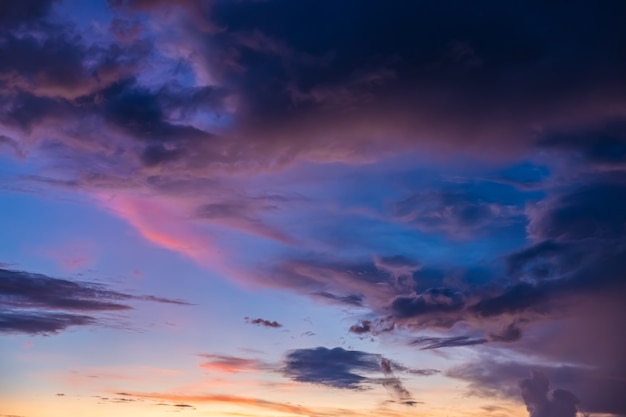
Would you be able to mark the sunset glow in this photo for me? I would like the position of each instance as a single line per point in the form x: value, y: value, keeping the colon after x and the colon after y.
x: 312, y: 208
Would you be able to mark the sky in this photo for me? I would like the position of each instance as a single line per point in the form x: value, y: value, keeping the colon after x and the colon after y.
x: 312, y: 208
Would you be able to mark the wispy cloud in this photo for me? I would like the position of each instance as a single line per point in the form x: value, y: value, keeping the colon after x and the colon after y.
x: 36, y: 303
x: 231, y: 364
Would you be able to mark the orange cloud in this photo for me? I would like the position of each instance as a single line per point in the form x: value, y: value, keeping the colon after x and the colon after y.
x: 227, y: 399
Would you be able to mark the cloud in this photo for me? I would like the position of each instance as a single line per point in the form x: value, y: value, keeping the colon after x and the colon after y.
x: 431, y: 301
x: 542, y: 403
x: 442, y: 342
x: 349, y: 283
x: 37, y: 322
x: 263, y: 322
x: 323, y: 85
x: 332, y: 367
x: 361, y: 328
x: 36, y: 303
x: 393, y: 383
x: 593, y: 210
x: 14, y: 14
x: 595, y: 391
x: 601, y: 147
x: 352, y: 299
x: 456, y: 214
x: 224, y: 399
x: 250, y: 100
x: 510, y: 333
x: 231, y: 364
x: 348, y: 369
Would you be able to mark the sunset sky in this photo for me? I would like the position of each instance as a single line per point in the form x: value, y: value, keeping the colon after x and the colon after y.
x: 312, y: 208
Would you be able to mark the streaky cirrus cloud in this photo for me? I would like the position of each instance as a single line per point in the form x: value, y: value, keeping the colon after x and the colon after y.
x: 231, y: 364
x: 39, y: 304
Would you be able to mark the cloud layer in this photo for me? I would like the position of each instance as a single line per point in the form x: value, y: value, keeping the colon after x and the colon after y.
x: 39, y: 304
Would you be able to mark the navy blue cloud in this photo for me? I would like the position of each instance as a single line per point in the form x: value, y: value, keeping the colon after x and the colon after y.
x: 348, y: 369
x: 336, y: 367
x: 37, y: 303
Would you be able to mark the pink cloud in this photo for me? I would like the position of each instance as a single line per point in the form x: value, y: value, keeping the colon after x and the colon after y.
x: 162, y: 222
x: 163, y: 225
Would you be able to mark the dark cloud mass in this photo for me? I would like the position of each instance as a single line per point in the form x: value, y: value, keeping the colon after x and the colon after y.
x: 540, y: 402
x: 15, y: 13
x: 336, y: 367
x: 36, y: 303
x: 411, y: 72
x: 349, y: 369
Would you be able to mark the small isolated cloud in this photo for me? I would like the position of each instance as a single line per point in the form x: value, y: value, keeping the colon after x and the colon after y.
x: 263, y: 322
x: 349, y: 369
x: 361, y: 328
x: 39, y: 304
x: 336, y: 367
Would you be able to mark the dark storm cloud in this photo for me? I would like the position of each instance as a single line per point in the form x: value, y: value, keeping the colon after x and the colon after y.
x: 413, y: 72
x: 545, y: 260
x: 14, y: 13
x: 593, y: 391
x: 540, y: 402
x: 141, y: 111
x: 31, y: 301
x: 407, y: 69
x: 518, y: 298
x: 604, y: 147
x: 55, y: 83
x: 54, y: 62
x: 263, y: 322
x: 596, y: 210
